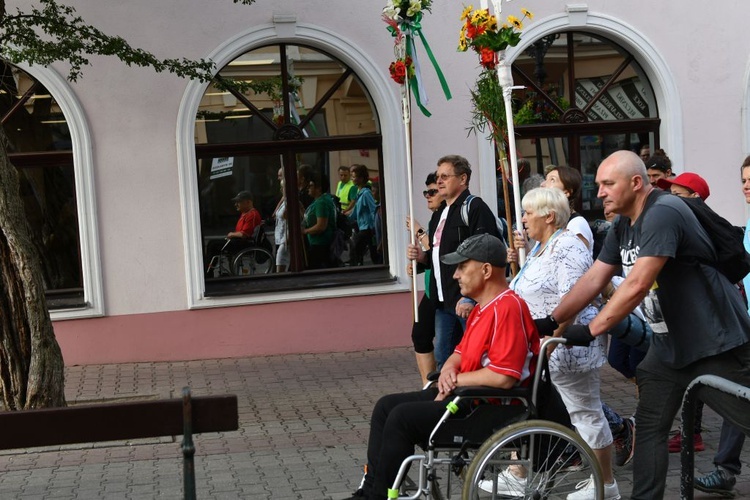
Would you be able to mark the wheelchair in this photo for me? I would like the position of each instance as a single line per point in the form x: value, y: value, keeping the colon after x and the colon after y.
x: 470, y: 457
x: 257, y: 257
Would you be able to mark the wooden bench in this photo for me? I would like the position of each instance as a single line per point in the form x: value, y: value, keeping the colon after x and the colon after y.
x: 120, y: 421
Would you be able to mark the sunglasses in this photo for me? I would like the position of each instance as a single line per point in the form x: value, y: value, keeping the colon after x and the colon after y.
x: 430, y: 193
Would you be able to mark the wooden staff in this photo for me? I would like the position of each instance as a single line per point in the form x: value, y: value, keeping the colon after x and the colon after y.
x: 506, y: 202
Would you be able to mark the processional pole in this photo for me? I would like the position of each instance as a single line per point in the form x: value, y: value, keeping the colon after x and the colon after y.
x: 403, y: 18
x: 505, y: 79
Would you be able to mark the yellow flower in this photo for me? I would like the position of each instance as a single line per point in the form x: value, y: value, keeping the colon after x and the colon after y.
x: 492, y: 23
x: 479, y: 17
x: 466, y: 12
x: 463, y: 45
x: 527, y: 13
x: 515, y: 22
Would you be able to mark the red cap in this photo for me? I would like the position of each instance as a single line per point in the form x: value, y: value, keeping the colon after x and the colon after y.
x: 693, y: 182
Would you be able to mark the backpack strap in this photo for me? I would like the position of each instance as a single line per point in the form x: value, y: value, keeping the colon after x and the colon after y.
x: 465, y: 206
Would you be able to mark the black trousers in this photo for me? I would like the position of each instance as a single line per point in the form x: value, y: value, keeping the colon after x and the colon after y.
x: 399, y: 422
x: 661, y: 389
x: 361, y: 241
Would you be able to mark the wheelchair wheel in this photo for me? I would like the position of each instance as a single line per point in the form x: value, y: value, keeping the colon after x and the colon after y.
x: 252, y: 261
x: 556, y: 460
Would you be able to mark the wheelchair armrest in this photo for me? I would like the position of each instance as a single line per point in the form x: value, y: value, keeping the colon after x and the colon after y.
x: 433, y: 376
x: 492, y: 392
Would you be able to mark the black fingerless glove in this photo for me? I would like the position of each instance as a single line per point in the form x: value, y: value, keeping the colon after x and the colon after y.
x: 579, y: 335
x: 546, y: 326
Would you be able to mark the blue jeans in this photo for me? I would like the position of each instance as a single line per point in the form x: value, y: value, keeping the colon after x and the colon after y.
x: 623, y: 357
x: 449, y: 329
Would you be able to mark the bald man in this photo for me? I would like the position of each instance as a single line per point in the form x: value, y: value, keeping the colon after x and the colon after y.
x: 658, y: 242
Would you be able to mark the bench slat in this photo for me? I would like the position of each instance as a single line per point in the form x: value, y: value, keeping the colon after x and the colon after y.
x: 114, y: 421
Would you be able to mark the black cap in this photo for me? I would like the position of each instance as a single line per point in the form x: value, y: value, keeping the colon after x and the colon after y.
x: 243, y: 195
x: 480, y: 247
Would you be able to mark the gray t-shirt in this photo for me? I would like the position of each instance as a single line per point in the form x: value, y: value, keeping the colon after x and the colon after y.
x: 703, y: 311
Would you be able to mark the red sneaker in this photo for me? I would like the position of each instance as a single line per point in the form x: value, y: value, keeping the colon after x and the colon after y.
x: 675, y: 442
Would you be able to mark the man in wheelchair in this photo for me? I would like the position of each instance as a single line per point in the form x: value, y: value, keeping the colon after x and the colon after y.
x: 499, y: 349
x: 244, y: 231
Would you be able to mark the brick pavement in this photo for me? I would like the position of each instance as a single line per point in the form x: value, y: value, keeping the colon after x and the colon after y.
x: 304, y: 425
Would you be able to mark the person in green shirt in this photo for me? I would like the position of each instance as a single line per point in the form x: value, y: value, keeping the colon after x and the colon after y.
x: 319, y: 224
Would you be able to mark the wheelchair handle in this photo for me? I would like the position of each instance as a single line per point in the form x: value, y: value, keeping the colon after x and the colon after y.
x: 540, y: 362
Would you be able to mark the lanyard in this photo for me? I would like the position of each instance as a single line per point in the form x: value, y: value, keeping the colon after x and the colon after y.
x: 535, y: 252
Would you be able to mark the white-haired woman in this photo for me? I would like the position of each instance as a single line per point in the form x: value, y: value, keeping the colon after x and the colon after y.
x: 556, y: 261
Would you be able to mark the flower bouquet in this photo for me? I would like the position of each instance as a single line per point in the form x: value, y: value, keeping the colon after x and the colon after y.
x: 406, y: 10
x: 402, y: 69
x: 482, y: 33
x: 403, y: 18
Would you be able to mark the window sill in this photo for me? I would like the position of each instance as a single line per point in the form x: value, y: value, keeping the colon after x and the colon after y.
x: 309, y: 285
x: 305, y: 281
x: 66, y: 299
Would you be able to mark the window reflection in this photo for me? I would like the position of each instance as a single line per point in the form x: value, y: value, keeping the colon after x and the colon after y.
x: 585, y: 98
x: 339, y: 199
x: 39, y: 146
x: 48, y: 194
x: 602, y: 82
x: 283, y: 124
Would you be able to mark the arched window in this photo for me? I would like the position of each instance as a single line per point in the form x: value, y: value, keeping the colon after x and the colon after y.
x: 585, y: 98
x: 292, y: 113
x: 40, y: 147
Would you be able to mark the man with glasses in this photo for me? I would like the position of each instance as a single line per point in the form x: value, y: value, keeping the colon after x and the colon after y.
x: 447, y: 231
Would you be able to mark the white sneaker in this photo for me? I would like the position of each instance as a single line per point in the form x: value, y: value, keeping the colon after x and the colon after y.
x: 586, y: 490
x: 507, y: 484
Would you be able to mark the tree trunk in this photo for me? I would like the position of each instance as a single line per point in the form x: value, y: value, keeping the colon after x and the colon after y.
x: 31, y: 363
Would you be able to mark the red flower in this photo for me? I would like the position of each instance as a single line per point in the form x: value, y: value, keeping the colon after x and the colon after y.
x: 488, y: 58
x: 473, y: 31
x: 398, y: 71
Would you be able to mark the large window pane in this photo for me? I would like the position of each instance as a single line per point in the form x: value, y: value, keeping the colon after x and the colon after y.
x: 586, y: 97
x: 574, y: 77
x: 39, y: 146
x: 284, y: 86
x: 49, y: 199
x: 291, y: 113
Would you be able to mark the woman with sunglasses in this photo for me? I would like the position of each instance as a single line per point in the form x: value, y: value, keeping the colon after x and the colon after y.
x: 423, y: 332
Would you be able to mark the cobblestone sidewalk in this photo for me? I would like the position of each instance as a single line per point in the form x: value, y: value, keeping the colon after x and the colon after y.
x: 304, y: 425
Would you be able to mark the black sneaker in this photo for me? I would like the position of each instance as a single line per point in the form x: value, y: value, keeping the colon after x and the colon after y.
x: 624, y: 442
x: 357, y: 495
x: 719, y: 481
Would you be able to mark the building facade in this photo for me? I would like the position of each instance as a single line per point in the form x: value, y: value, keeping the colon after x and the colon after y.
x: 128, y: 175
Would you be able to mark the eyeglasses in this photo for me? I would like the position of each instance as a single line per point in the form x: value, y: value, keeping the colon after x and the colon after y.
x: 444, y: 177
x: 430, y: 193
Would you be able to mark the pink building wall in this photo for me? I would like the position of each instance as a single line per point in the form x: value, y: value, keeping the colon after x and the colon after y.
x: 378, y: 321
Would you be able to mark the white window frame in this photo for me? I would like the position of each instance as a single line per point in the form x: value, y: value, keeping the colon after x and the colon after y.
x: 83, y: 168
x: 285, y: 29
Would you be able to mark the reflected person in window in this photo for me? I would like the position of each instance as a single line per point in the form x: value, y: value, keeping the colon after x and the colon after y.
x: 319, y: 223
x: 244, y: 230
x: 363, y: 215
x: 280, y: 228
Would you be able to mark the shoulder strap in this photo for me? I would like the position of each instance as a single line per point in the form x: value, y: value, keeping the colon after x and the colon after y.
x: 465, y: 206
